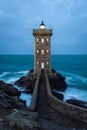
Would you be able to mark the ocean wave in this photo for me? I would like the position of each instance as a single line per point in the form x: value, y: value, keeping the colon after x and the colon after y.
x: 11, y: 77
x: 21, y: 72
x: 74, y: 77
x: 4, y: 74
x: 11, y: 80
x: 71, y: 93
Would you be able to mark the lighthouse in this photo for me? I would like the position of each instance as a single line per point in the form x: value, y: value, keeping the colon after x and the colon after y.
x: 42, y: 49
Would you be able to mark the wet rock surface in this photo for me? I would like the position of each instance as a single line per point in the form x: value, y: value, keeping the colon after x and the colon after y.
x: 77, y: 102
x: 15, y: 119
x: 9, y: 96
x: 15, y: 116
x: 9, y: 89
x: 26, y: 82
x: 58, y: 82
x: 58, y: 95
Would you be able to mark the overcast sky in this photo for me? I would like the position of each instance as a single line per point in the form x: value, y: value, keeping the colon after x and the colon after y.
x: 67, y: 18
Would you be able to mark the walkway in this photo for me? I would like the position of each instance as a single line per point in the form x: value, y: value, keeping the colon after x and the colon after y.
x: 50, y: 118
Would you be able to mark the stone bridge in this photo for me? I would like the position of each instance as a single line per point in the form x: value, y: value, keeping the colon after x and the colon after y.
x: 50, y: 107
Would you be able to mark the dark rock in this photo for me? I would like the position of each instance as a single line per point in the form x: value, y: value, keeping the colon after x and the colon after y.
x: 58, y: 95
x: 7, y: 101
x: 77, y: 102
x: 27, y: 82
x: 9, y: 89
x: 31, y: 71
x: 58, y: 82
x: 21, y: 120
x: 53, y: 71
x: 60, y: 77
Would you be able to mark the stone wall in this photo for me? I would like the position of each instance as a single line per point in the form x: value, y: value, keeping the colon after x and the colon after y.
x: 34, y: 96
x: 68, y: 109
x: 42, y: 49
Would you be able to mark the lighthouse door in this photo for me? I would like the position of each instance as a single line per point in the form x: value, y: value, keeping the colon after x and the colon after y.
x: 42, y: 65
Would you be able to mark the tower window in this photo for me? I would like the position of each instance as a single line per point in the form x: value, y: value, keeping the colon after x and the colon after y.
x: 37, y: 39
x: 37, y: 62
x: 42, y: 65
x: 47, y: 39
x: 42, y: 52
x: 47, y: 62
x: 42, y: 40
x: 37, y: 51
x: 47, y: 51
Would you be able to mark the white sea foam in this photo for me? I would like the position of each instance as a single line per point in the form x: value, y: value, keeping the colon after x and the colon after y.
x: 4, y: 74
x: 26, y: 97
x: 76, y: 87
x: 11, y: 79
x: 21, y: 72
x: 22, y: 89
x: 75, y: 93
x: 8, y: 73
x: 74, y: 77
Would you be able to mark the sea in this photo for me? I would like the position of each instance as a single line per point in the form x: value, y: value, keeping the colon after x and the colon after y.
x: 73, y: 67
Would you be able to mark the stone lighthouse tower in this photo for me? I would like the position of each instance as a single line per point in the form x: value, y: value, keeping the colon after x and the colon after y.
x: 42, y: 54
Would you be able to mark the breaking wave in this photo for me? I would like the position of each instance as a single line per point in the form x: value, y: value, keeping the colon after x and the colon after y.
x: 11, y: 77
x: 4, y: 74
x: 21, y: 72
x: 73, y: 79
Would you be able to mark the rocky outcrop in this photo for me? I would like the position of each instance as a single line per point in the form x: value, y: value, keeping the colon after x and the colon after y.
x: 9, y: 89
x: 13, y: 112
x: 21, y: 119
x: 7, y: 101
x: 26, y: 82
x: 58, y: 95
x: 18, y: 120
x: 58, y: 82
x: 9, y: 96
x: 77, y: 102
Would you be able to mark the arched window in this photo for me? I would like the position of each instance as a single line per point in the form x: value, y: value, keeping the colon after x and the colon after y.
x: 42, y: 52
x: 42, y: 40
x: 37, y: 39
x: 42, y: 65
x: 47, y: 39
x: 37, y: 62
x: 47, y: 62
x: 47, y: 51
x: 37, y: 51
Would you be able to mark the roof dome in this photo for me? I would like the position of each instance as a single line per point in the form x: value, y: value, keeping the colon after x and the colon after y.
x: 42, y: 25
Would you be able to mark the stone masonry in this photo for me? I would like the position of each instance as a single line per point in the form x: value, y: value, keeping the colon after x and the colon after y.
x: 42, y: 54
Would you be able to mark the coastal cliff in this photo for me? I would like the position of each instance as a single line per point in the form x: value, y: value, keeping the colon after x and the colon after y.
x: 16, y: 116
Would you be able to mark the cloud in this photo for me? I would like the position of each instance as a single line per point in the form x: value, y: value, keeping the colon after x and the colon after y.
x: 68, y: 19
